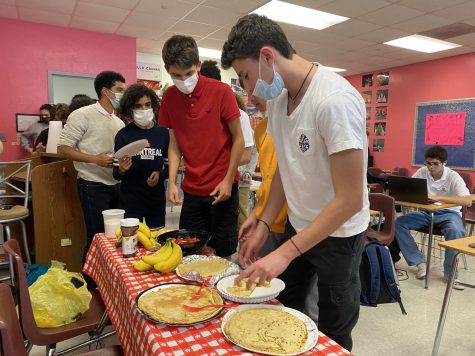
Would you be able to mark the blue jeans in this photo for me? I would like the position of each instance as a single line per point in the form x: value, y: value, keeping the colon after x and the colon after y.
x: 448, y: 221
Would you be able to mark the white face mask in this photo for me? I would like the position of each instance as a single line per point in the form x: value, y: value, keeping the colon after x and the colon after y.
x: 116, y: 101
x: 143, y: 118
x: 188, y: 85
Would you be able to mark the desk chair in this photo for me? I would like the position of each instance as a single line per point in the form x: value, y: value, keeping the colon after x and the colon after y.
x: 385, y: 204
x: 10, y: 213
x: 400, y: 171
x: 91, y: 322
x: 375, y: 171
x: 11, y: 336
x: 470, y: 216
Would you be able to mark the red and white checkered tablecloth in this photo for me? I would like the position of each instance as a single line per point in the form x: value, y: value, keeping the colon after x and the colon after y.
x: 119, y: 284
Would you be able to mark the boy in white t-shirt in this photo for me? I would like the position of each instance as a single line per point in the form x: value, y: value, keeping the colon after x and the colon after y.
x: 444, y: 185
x: 317, y: 121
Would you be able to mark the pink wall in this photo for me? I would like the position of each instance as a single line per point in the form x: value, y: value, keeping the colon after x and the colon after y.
x: 442, y: 79
x: 29, y: 50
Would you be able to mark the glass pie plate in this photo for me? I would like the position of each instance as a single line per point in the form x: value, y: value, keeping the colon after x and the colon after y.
x: 196, y: 277
x: 258, y: 295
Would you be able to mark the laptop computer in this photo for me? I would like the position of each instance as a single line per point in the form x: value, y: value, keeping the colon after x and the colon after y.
x: 412, y: 190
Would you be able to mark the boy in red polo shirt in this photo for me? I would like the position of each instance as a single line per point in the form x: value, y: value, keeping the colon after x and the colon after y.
x: 203, y: 119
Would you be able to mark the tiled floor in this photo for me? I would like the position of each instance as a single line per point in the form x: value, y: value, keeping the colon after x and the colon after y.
x: 385, y: 331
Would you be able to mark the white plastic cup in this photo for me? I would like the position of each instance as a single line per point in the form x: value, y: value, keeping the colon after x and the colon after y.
x: 112, y: 219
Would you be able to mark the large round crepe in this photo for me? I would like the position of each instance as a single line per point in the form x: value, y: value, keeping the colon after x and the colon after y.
x: 205, y: 268
x: 267, y: 330
x: 165, y: 305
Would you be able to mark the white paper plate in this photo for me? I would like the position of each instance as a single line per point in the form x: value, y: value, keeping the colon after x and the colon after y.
x: 196, y: 277
x: 312, y: 330
x: 259, y: 295
x: 131, y: 149
x: 163, y: 286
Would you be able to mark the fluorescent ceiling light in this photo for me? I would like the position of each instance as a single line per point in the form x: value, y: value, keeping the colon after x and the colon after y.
x: 209, y: 53
x: 298, y: 15
x: 334, y: 69
x: 422, y: 44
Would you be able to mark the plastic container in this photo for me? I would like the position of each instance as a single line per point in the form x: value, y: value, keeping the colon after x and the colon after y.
x: 129, y: 229
x: 112, y: 219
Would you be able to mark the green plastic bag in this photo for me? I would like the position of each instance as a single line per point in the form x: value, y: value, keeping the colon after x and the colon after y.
x: 59, y: 297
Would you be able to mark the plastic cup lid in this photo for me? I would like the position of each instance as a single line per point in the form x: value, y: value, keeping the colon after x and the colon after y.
x: 113, y: 212
x: 130, y: 222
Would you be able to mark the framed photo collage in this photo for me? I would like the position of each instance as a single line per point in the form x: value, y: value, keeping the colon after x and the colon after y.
x: 375, y: 93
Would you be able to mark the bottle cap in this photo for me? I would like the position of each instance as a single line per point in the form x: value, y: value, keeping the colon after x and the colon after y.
x: 129, y: 222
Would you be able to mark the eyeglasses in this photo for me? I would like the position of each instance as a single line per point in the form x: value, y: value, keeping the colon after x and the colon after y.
x: 432, y: 164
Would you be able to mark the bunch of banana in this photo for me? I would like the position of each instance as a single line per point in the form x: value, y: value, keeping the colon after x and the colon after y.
x: 165, y: 260
x: 144, y: 236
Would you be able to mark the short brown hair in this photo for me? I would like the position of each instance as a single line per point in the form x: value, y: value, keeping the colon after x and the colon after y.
x: 180, y: 51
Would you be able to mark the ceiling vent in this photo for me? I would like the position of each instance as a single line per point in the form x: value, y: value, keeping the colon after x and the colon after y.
x: 453, y: 30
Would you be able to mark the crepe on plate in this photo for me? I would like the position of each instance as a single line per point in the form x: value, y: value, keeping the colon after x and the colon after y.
x: 165, y: 304
x: 240, y: 289
x: 267, y: 330
x: 205, y: 268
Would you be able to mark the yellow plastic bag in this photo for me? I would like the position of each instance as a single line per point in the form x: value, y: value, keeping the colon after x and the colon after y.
x: 56, y: 301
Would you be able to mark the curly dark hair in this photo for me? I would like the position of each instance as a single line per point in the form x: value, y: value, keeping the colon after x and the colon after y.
x: 132, y: 94
x: 437, y: 152
x: 249, y: 35
x: 107, y: 80
x: 210, y: 69
x: 60, y: 112
x: 180, y: 51
x: 80, y: 100
x: 46, y: 107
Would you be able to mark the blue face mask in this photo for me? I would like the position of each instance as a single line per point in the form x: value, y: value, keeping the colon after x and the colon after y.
x: 116, y: 101
x: 268, y: 91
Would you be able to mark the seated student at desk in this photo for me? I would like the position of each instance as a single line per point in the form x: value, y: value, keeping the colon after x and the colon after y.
x: 444, y: 185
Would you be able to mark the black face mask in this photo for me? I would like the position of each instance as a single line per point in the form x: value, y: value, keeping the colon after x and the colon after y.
x: 44, y: 119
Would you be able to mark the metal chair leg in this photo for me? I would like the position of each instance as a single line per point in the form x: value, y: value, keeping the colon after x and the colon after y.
x: 10, y: 258
x: 25, y: 241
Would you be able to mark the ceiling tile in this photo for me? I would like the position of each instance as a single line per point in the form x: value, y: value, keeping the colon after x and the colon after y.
x: 101, y: 12
x: 121, y: 4
x: 422, y: 23
x: 94, y: 25
x: 468, y: 39
x: 45, y: 17
x: 383, y: 35
x: 54, y: 6
x: 458, y: 12
x: 351, y: 8
x: 352, y: 27
x: 221, y: 34
x: 213, y: 16
x: 390, y: 15
x: 166, y: 35
x: 149, y: 21
x: 165, y: 8
x: 211, y: 43
x: 138, y: 31
x: 241, y: 6
x: 430, y: 5
x: 8, y: 11
x: 195, y: 28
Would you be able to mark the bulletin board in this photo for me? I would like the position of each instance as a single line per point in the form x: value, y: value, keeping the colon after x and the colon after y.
x: 448, y: 123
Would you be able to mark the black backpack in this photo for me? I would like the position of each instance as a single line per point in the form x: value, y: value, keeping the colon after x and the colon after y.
x: 378, y: 279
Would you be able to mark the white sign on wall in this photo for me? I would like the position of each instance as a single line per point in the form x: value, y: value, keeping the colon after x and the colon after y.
x: 149, y: 71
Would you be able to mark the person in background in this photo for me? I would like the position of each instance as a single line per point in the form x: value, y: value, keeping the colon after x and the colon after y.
x: 317, y: 122
x: 28, y: 137
x: 88, y: 140
x: 59, y: 112
x: 246, y: 169
x: 248, y: 162
x: 142, y: 189
x: 204, y: 124
x: 446, y: 186
x: 1, y: 147
x: 80, y: 100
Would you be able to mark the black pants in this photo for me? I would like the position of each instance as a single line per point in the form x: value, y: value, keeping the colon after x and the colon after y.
x: 334, y: 265
x: 95, y: 197
x: 220, y: 220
